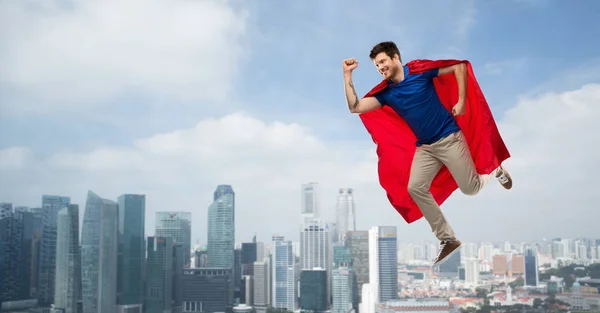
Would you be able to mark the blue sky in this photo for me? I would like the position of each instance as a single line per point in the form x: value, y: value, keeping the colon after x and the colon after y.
x: 104, y: 78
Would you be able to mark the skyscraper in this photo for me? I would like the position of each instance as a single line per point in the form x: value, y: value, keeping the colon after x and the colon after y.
x: 316, y: 249
x: 358, y: 244
x: 16, y: 242
x: 159, y: 275
x: 177, y: 225
x: 383, y: 260
x: 132, y: 212
x: 262, y: 285
x: 309, y: 202
x: 342, y: 290
x: 221, y: 231
x: 284, y: 276
x: 471, y: 271
x: 345, y: 213
x: 68, y: 260
x: 51, y: 205
x: 99, y: 252
x: 531, y: 267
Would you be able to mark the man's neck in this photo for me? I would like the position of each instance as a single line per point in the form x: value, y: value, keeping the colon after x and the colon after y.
x: 399, y: 76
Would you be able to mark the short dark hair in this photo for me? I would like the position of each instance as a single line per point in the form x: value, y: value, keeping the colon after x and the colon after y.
x: 389, y: 47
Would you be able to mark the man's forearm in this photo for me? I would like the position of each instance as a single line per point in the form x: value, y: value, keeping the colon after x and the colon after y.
x: 351, y: 96
x: 461, y: 79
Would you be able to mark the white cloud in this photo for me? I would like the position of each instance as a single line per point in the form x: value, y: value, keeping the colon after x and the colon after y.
x: 88, y: 52
x: 500, y: 67
x: 551, y: 138
x: 14, y: 158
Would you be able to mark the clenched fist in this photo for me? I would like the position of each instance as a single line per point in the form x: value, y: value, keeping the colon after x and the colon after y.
x: 349, y: 65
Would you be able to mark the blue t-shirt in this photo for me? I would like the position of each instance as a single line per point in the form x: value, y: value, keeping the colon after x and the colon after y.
x: 417, y: 102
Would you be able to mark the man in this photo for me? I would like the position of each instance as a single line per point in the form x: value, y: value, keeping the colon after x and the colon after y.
x: 415, y: 116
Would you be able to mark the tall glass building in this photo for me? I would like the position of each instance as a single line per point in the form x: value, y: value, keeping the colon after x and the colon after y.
x: 16, y: 252
x: 284, y: 275
x: 177, y: 225
x: 159, y: 275
x: 51, y: 205
x: 99, y: 249
x: 531, y: 267
x: 345, y: 215
x: 221, y: 231
x: 132, y: 253
x: 342, y: 290
x: 383, y: 263
x: 68, y: 260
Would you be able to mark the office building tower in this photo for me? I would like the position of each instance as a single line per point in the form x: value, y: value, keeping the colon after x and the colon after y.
x: 159, y: 275
x: 221, y: 231
x: 531, y: 267
x: 383, y: 260
x: 177, y: 225
x: 284, y: 276
x: 262, y: 285
x: 472, y: 271
x: 342, y: 290
x: 309, y: 202
x: 207, y: 290
x: 345, y: 213
x: 67, y: 291
x: 313, y: 290
x: 500, y: 264
x: 17, y: 229
x: 358, y: 244
x: 316, y: 250
x: 51, y: 205
x: 99, y: 254
x: 132, y: 253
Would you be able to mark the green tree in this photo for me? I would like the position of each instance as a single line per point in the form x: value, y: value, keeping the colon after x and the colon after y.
x: 519, y: 282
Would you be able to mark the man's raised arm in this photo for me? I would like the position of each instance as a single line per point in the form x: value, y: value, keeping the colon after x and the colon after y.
x: 356, y: 105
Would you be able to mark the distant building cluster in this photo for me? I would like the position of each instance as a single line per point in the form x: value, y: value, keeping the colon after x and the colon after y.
x: 58, y: 258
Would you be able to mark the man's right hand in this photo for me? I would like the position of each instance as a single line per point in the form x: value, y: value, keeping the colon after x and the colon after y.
x: 349, y: 65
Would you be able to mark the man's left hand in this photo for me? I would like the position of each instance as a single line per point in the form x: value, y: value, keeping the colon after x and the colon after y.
x: 459, y: 109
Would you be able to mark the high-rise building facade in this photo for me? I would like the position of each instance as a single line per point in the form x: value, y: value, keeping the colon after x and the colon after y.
x: 471, y: 272
x: 158, y: 293
x: 177, y: 225
x: 99, y: 254
x: 531, y: 267
x: 344, y: 213
x: 132, y: 252
x: 67, y: 291
x: 207, y: 290
x: 316, y: 249
x: 17, y: 230
x: 309, y: 202
x: 262, y: 285
x: 51, y: 205
x: 221, y: 231
x: 342, y: 290
x: 284, y: 276
x: 358, y: 244
x: 383, y: 260
x: 314, y: 295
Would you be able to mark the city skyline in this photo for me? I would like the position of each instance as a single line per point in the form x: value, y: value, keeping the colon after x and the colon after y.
x: 476, y: 265
x: 74, y: 119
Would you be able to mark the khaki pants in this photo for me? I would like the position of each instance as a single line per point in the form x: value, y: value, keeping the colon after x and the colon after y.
x: 453, y: 152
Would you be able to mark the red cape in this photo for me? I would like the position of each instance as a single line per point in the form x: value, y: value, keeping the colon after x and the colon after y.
x: 396, y: 142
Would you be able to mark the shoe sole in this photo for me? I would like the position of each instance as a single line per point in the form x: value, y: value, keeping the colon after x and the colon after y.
x: 448, y: 256
x: 505, y: 180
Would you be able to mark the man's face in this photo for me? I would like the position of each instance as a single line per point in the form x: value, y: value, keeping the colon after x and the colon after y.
x: 386, y: 66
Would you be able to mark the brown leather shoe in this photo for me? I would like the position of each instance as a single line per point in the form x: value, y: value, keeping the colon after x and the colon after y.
x: 447, y: 249
x: 504, y: 177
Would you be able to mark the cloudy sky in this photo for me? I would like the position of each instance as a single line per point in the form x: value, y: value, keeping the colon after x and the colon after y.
x: 172, y: 98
